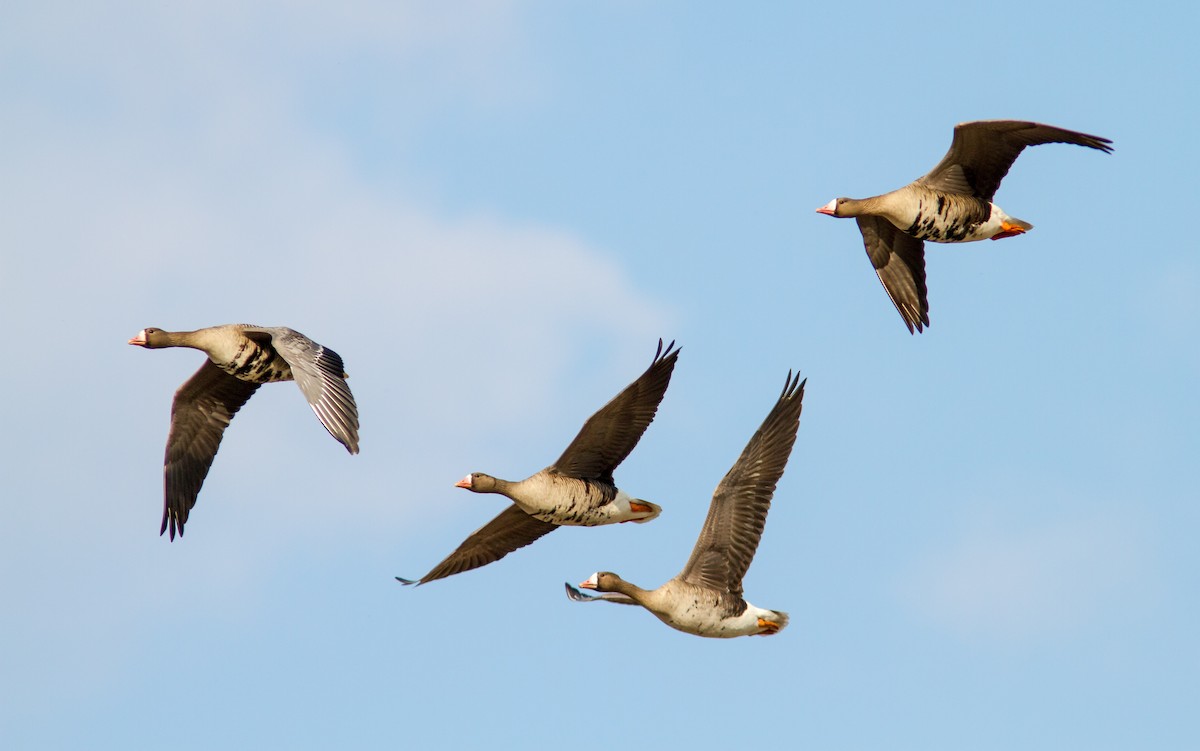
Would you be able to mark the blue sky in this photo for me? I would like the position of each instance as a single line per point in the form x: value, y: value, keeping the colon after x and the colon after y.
x: 985, y: 536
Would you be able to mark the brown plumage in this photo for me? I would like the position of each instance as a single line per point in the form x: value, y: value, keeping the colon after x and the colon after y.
x: 953, y: 203
x: 578, y: 489
x: 240, y: 359
x: 706, y: 597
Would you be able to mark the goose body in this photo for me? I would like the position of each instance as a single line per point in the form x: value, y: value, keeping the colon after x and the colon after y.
x: 566, y: 500
x: 241, y: 357
x: 691, y: 608
x: 576, y: 490
x: 951, y: 204
x: 705, y: 598
x: 934, y: 215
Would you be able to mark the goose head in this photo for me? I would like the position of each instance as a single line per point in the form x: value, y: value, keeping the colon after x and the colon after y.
x: 150, y: 338
x: 477, y: 482
x: 602, y: 581
x: 837, y: 207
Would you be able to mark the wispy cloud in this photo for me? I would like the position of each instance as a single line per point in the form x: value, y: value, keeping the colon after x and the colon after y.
x: 997, y: 582
x: 164, y: 166
x: 180, y: 167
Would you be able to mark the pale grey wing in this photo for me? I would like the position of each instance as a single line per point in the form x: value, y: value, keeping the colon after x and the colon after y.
x: 899, y: 261
x: 982, y: 152
x: 511, y: 530
x: 202, y: 409
x: 321, y: 376
x: 577, y: 596
x: 609, y: 435
x: 739, y: 506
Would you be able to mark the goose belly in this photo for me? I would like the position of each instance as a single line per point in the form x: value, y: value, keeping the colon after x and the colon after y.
x: 568, y: 501
x: 703, y: 617
x: 954, y: 219
x: 576, y: 513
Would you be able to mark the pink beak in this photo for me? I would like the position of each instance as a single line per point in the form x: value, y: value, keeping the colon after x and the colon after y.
x: 139, y: 340
x: 463, y: 483
x: 587, y: 585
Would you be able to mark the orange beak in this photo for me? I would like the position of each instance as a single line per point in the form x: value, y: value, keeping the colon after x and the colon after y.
x: 139, y: 340
x: 463, y: 483
x: 587, y: 585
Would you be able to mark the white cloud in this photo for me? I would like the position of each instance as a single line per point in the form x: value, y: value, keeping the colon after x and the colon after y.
x: 172, y: 166
x: 163, y: 167
x: 169, y: 174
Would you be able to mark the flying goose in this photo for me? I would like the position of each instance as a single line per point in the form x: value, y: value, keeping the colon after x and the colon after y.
x: 951, y: 204
x: 706, y: 597
x: 577, y: 489
x: 241, y: 357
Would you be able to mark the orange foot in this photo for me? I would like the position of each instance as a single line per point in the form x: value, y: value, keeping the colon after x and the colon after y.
x: 639, y: 507
x: 768, y: 627
x: 1008, y: 229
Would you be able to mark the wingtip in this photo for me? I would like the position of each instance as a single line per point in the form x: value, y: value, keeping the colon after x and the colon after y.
x: 793, y: 385
x: 670, y: 351
x: 407, y: 582
x: 916, y: 325
x: 574, y: 594
x: 172, y: 525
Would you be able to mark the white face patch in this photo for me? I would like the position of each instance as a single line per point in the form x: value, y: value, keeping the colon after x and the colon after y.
x: 593, y: 581
x: 829, y: 208
x: 465, y: 482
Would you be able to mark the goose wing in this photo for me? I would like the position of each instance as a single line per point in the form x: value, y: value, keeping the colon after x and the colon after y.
x: 609, y: 435
x: 739, y: 506
x: 321, y: 376
x: 202, y: 409
x: 511, y: 530
x: 982, y: 152
x: 899, y: 261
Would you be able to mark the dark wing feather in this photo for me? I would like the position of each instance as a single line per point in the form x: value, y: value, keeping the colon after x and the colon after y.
x: 982, y: 153
x: 321, y: 376
x: 609, y: 435
x: 511, y: 530
x: 899, y: 261
x: 739, y: 506
x: 202, y: 409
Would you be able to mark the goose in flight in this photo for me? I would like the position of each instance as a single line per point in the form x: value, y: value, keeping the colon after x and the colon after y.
x: 240, y: 359
x: 706, y: 597
x: 951, y: 204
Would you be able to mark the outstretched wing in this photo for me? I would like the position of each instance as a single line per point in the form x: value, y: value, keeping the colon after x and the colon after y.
x: 321, y: 376
x: 739, y: 506
x: 899, y: 262
x: 202, y: 409
x: 609, y: 435
x: 983, y: 151
x: 511, y: 530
